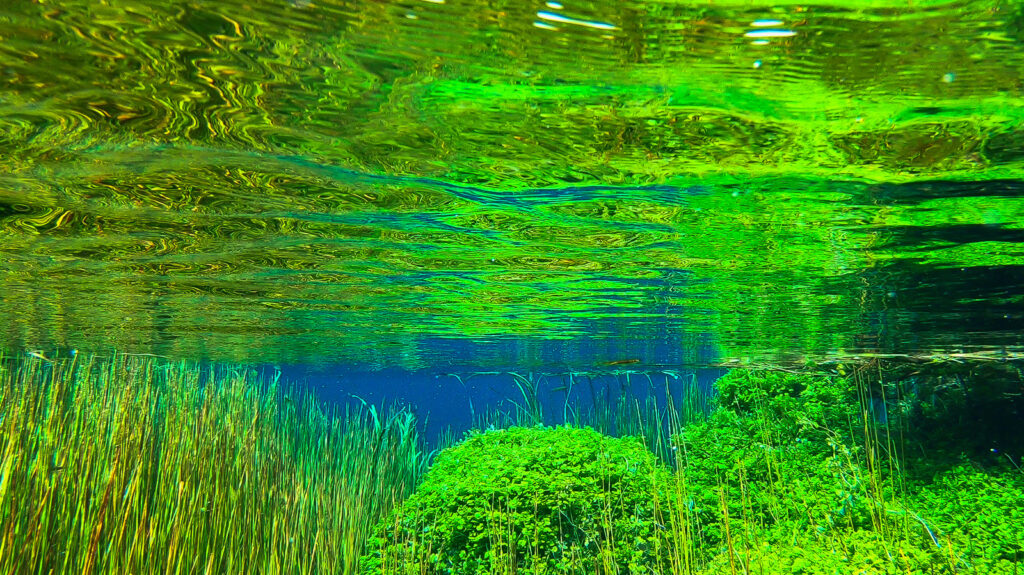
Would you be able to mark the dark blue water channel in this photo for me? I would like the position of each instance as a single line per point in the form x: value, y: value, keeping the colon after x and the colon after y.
x: 457, y: 401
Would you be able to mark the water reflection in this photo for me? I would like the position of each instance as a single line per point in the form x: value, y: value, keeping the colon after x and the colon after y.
x: 770, y: 33
x: 337, y: 180
x: 562, y: 19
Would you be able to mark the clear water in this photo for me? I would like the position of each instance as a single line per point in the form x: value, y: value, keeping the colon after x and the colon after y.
x: 461, y: 184
x: 452, y: 215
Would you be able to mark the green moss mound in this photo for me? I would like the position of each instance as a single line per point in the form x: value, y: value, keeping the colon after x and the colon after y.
x: 530, y: 501
x: 805, y: 474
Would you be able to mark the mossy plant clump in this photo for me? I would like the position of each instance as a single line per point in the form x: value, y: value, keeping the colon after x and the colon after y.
x: 778, y: 458
x: 801, y: 473
x: 529, y: 501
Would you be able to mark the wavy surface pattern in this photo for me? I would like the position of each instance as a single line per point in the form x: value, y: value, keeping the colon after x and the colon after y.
x: 558, y: 184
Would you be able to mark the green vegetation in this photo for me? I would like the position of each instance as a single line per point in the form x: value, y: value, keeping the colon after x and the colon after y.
x: 133, y: 465
x: 614, y: 407
x: 800, y: 474
x: 791, y: 473
x: 530, y: 501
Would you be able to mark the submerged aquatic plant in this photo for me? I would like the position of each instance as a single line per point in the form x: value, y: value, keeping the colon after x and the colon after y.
x: 137, y: 465
x: 133, y: 465
x: 801, y: 473
x: 530, y: 500
x: 791, y: 473
x: 668, y: 402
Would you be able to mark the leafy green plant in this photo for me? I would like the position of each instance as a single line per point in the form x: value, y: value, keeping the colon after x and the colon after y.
x: 799, y: 473
x: 791, y: 474
x: 979, y: 512
x: 530, y: 500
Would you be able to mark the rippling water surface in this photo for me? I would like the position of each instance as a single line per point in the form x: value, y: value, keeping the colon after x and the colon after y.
x: 559, y: 184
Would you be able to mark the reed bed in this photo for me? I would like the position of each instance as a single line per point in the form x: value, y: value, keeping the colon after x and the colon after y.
x: 133, y: 465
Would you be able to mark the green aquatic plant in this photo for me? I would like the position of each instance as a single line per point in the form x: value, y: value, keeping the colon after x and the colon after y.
x: 791, y: 473
x: 137, y: 465
x: 134, y: 465
x: 770, y: 461
x: 804, y: 473
x: 669, y: 401
x: 979, y: 511
x: 530, y: 500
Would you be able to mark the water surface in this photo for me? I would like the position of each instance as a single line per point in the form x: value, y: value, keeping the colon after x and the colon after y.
x: 549, y: 185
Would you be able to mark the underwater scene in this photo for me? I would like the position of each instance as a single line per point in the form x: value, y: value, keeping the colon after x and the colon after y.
x: 495, y: 287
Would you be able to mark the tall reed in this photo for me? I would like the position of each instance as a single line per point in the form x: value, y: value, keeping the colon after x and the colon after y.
x: 132, y: 465
x: 613, y: 408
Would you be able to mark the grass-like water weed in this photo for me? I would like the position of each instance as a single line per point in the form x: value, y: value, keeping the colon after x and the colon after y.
x: 131, y: 465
